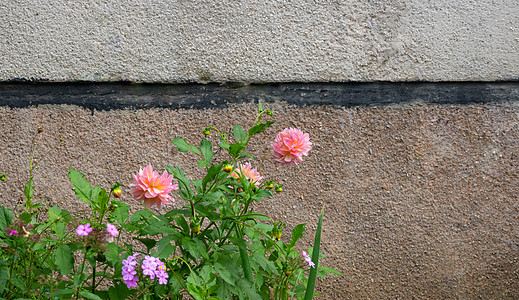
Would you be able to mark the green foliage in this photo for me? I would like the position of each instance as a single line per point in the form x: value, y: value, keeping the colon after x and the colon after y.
x: 214, y: 247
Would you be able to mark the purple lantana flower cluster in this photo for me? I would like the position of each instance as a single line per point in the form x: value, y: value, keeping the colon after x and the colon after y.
x: 151, y: 266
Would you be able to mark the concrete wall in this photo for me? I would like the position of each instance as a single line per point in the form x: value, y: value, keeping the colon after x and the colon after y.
x: 259, y: 41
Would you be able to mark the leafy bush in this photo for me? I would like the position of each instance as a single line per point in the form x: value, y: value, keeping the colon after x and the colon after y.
x: 215, y: 247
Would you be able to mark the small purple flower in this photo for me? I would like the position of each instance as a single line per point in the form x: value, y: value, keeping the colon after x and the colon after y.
x: 308, y: 259
x: 13, y: 232
x: 132, y: 282
x: 128, y: 271
x: 162, y: 274
x: 149, y: 266
x: 112, y: 230
x: 83, y: 230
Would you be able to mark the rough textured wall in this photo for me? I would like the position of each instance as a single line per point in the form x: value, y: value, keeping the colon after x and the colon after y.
x: 259, y: 41
x: 420, y: 199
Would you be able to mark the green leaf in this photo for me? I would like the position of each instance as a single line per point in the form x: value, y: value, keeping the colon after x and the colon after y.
x: 29, y: 190
x: 81, y: 186
x: 100, y: 197
x: 120, y: 213
x: 6, y: 217
x: 89, y: 295
x: 207, y: 150
x: 64, y: 259
x: 238, y: 132
x: 149, y: 243
x: 224, y: 145
x: 315, y: 259
x: 112, y: 253
x: 244, y: 256
x: 236, y: 149
x: 224, y: 273
x: 164, y: 247
x: 183, y: 146
x: 212, y: 172
x: 297, y: 233
x: 260, y: 128
x: 62, y: 292
x: 203, y: 163
x: 329, y: 270
x: 184, y: 184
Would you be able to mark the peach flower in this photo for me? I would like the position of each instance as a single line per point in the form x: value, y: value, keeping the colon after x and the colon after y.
x: 252, y: 174
x: 290, y: 145
x: 151, y: 188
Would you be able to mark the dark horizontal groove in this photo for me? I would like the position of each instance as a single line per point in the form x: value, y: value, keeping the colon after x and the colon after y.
x: 120, y: 95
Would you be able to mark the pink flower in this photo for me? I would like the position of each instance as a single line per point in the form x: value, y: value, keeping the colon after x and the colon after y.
x: 112, y: 230
x: 308, y: 259
x: 290, y: 145
x: 246, y: 170
x: 13, y: 232
x: 83, y: 230
x: 151, y: 188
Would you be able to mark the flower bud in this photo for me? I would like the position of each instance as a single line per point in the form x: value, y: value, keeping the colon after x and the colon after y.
x: 195, y: 227
x: 269, y: 185
x: 207, y: 131
x: 227, y: 168
x: 276, y: 233
x: 3, y: 177
x: 39, y: 129
x: 279, y: 189
x: 117, y: 192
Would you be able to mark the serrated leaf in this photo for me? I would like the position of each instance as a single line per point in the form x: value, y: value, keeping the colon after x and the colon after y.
x: 120, y: 213
x: 224, y: 273
x: 81, y: 186
x: 297, y: 233
x: 149, y: 243
x: 207, y: 150
x: 64, y: 259
x: 6, y: 217
x: 100, y: 197
x: 183, y: 146
x: 89, y: 295
x: 260, y: 128
x: 212, y: 172
x: 62, y: 292
x: 235, y: 149
x: 238, y: 132
x: 203, y: 163
x: 164, y: 247
x: 112, y: 253
x: 29, y: 190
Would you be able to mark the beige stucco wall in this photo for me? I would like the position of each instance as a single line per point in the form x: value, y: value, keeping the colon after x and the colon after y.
x: 259, y: 41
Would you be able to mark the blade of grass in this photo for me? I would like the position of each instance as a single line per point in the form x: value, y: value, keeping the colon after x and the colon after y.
x: 309, y: 294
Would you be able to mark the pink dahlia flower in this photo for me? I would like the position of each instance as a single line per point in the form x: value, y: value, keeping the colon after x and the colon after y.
x: 252, y: 174
x: 290, y: 145
x: 151, y: 188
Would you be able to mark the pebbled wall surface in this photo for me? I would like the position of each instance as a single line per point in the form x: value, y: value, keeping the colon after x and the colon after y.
x: 259, y: 41
x: 420, y: 199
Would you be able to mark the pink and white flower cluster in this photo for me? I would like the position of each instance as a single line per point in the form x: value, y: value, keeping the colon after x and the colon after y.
x: 290, y: 146
x: 151, y: 266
